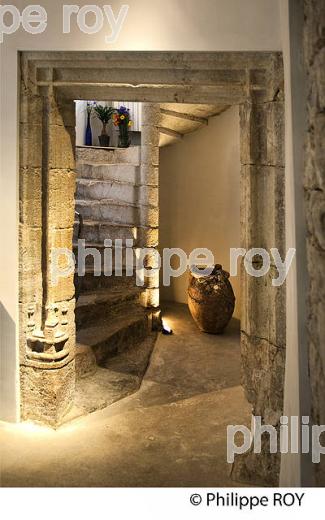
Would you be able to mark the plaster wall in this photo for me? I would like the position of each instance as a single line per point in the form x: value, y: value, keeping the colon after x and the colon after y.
x: 200, y: 197
x: 296, y: 469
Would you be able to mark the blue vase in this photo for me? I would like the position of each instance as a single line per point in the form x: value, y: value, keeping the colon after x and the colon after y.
x: 89, y: 136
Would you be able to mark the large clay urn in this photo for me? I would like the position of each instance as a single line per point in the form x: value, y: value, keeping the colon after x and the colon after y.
x: 211, y: 299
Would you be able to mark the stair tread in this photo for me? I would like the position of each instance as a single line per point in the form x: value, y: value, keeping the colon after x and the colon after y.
x: 121, y: 376
x: 94, y: 180
x: 90, y: 270
x: 111, y: 295
x: 102, y: 330
x: 94, y: 222
x: 94, y: 163
x: 100, y: 245
x: 113, y: 202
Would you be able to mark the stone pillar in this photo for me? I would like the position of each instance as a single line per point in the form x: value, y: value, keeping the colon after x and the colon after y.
x: 314, y: 189
x: 149, y: 197
x: 263, y: 324
x: 47, y: 180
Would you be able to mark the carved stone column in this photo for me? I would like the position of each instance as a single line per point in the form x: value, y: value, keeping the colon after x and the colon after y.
x: 46, y: 223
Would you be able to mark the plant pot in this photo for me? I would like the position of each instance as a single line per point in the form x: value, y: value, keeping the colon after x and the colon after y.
x: 211, y: 300
x: 104, y: 140
x: 124, y: 140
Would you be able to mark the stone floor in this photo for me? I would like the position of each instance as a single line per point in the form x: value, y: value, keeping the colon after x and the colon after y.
x: 172, y: 432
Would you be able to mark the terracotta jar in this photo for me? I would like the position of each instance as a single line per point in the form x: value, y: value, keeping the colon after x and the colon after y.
x: 211, y: 300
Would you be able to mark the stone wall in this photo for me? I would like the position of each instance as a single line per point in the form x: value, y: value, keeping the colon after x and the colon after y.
x: 263, y: 316
x: 314, y: 186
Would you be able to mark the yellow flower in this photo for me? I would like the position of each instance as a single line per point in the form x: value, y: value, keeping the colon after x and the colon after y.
x: 130, y: 123
x: 122, y: 117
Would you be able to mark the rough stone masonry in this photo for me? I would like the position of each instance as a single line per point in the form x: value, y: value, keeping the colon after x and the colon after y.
x: 314, y: 187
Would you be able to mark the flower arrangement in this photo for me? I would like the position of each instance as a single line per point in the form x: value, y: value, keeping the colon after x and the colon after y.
x: 123, y: 121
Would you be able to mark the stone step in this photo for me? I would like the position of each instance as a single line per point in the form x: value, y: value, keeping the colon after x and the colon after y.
x: 103, y: 304
x: 125, y: 192
x: 111, y: 256
x: 96, y: 231
x: 109, y: 172
x: 111, y: 211
x: 102, y: 250
x: 98, y: 190
x: 121, y: 192
x: 110, y: 338
x: 131, y: 155
x: 90, y: 282
x: 108, y: 258
x: 121, y: 376
x: 85, y: 361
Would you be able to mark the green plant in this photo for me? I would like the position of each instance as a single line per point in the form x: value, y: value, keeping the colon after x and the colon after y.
x: 104, y: 113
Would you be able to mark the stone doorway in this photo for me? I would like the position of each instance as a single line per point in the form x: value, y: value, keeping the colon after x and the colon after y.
x: 50, y: 82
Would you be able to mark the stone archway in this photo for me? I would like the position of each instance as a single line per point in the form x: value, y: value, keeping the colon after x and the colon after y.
x: 50, y: 81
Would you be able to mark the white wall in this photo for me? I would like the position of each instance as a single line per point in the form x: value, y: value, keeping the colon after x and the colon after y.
x: 81, y: 122
x: 211, y: 25
x: 296, y: 469
x: 200, y: 197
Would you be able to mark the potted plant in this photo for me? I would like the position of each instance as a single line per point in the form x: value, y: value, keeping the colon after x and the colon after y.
x: 104, y: 114
x: 122, y: 120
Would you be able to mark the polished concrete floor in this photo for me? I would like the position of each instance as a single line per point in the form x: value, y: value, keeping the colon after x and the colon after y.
x: 172, y: 432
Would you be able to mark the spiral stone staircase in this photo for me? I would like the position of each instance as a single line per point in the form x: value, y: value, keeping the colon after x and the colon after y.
x: 114, y: 336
